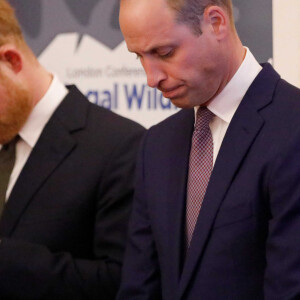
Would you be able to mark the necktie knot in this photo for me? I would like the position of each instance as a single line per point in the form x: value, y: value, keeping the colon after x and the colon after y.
x: 9, y: 147
x: 203, y: 117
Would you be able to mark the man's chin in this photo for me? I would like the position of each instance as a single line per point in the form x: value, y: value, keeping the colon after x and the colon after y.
x: 181, y: 102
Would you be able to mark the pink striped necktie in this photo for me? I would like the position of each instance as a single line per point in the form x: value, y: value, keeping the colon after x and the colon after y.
x: 200, y: 168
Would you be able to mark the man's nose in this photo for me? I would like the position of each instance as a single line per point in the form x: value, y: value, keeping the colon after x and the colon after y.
x: 155, y: 73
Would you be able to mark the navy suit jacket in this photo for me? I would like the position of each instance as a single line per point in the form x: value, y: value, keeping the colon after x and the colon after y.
x: 63, y: 229
x: 246, y: 242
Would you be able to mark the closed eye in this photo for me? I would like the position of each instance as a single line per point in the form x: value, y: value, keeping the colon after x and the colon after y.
x: 165, y: 52
x: 166, y: 55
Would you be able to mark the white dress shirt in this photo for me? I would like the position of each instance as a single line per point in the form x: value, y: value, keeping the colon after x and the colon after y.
x: 226, y: 103
x: 32, y: 129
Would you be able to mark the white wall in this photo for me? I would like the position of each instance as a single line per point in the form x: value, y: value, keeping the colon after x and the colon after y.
x: 286, y: 39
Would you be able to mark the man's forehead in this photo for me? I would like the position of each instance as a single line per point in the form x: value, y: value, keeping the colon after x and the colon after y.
x: 143, y: 14
x: 149, y: 32
x: 142, y: 5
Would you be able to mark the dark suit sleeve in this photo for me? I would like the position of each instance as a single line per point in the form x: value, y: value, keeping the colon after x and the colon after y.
x: 141, y: 276
x: 31, y: 271
x: 282, y: 275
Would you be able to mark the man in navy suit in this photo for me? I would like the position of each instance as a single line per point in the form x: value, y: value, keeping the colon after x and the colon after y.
x: 65, y: 209
x: 245, y: 241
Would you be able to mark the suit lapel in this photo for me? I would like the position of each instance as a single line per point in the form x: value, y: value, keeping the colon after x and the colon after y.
x: 240, y: 135
x: 175, y: 210
x: 54, y: 144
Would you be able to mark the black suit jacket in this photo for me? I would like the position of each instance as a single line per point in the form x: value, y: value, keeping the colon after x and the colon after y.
x: 246, y: 241
x: 63, y: 228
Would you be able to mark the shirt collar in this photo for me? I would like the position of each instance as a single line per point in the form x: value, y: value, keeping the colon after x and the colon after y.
x: 42, y: 112
x: 226, y: 103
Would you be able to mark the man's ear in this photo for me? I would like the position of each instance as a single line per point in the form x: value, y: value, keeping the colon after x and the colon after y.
x: 218, y: 19
x: 11, y: 57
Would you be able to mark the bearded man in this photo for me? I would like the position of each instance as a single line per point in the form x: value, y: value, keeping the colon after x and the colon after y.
x: 66, y: 169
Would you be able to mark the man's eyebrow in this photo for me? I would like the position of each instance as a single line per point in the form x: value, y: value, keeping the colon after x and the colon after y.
x: 158, y: 47
x: 153, y: 49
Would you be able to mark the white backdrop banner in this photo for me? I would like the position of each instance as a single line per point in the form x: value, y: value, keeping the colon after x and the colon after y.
x: 113, y: 78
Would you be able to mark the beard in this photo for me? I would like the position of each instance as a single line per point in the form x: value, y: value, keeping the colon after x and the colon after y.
x: 15, y: 108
